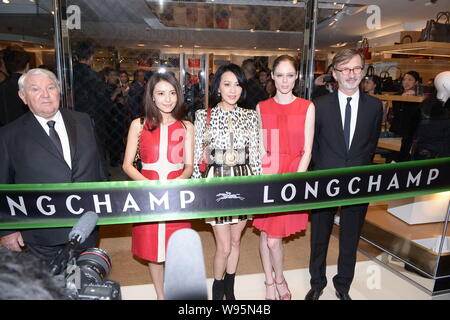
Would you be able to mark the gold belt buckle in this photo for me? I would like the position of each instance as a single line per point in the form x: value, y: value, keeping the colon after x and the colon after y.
x: 230, y: 157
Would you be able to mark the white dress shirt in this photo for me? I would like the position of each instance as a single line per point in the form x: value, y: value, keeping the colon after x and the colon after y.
x: 62, y: 133
x: 354, y: 105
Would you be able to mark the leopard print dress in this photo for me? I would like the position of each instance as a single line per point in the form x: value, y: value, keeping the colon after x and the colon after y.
x: 237, y: 130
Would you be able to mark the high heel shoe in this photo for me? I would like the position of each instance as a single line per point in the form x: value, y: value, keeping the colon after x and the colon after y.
x: 271, y: 285
x: 287, y: 295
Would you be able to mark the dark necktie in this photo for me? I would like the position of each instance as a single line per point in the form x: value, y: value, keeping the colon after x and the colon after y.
x: 348, y: 116
x: 54, y: 136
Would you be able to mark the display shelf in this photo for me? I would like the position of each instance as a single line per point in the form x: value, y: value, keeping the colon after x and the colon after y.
x: 389, y: 97
x: 426, y: 48
x: 427, y: 58
x: 411, y: 245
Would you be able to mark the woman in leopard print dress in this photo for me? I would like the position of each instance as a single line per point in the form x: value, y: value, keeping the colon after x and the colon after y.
x: 232, y: 139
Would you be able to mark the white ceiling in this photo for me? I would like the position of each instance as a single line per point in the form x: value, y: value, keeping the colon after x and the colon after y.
x: 120, y: 23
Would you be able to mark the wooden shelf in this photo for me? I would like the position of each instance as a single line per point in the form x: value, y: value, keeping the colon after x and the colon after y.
x: 427, y: 58
x: 388, y: 97
x: 426, y: 48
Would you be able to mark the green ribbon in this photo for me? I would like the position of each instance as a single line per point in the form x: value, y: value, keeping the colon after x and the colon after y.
x: 208, y: 204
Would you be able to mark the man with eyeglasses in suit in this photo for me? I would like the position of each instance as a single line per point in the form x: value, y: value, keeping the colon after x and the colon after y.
x: 347, y: 128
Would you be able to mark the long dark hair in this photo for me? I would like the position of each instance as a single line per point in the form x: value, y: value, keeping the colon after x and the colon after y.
x: 377, y: 81
x: 152, y: 113
x: 238, y: 72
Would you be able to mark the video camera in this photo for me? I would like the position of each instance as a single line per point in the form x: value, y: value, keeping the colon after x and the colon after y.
x: 85, y: 276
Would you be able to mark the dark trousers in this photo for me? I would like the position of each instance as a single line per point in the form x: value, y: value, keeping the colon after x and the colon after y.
x: 351, y: 222
x: 47, y: 252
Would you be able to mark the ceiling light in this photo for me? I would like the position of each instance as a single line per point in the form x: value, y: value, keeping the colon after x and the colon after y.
x: 6, y: 1
x: 339, y: 45
x: 141, y: 45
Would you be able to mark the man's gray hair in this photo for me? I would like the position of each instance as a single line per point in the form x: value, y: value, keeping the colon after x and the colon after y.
x: 43, y: 72
x: 345, y: 55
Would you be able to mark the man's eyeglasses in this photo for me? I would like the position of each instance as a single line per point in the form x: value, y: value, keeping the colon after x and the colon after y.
x: 346, y: 71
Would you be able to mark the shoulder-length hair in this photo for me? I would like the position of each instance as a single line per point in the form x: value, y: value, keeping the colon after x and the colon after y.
x: 152, y: 113
x: 238, y: 72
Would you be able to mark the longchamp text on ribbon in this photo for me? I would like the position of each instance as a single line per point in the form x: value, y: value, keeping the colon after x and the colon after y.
x: 61, y: 205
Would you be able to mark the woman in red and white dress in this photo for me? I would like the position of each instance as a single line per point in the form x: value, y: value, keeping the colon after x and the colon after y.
x: 166, y: 143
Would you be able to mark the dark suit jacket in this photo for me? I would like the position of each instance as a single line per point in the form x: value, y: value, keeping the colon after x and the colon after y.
x: 11, y: 106
x: 329, y: 150
x: 27, y: 155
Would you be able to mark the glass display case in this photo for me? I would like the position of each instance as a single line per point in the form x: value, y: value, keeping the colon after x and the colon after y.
x: 414, y: 238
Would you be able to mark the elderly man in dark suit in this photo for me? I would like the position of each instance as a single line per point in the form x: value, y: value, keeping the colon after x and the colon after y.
x: 47, y: 145
x: 348, y: 123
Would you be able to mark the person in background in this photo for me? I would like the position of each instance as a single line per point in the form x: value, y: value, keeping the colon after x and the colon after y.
x: 372, y: 84
x: 165, y: 141
x: 406, y: 116
x: 263, y: 78
x: 288, y: 127
x: 231, y: 138
x: 136, y: 94
x: 193, y: 96
x: 347, y: 128
x: 324, y: 84
x: 17, y: 62
x: 271, y: 90
x: 89, y: 91
x: 255, y: 93
x: 432, y: 137
x: 3, y: 72
x: 116, y: 145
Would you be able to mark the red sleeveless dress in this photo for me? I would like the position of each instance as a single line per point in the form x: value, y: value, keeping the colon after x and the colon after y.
x: 162, y: 158
x: 283, y: 133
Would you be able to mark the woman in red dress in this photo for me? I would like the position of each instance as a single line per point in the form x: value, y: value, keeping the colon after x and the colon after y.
x: 287, y: 133
x: 166, y: 146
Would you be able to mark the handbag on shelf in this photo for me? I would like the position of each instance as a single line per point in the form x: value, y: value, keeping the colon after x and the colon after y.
x: 370, y: 71
x: 387, y: 84
x: 203, y: 164
x: 364, y: 49
x: 403, y: 40
x: 437, y: 31
x: 137, y: 163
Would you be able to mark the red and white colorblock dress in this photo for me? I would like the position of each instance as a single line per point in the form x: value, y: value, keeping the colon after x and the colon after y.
x: 162, y: 154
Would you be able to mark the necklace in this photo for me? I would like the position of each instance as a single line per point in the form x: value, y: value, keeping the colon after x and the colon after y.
x: 231, y: 155
x: 221, y: 106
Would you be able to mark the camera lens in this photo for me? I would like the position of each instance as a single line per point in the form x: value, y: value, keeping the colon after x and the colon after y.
x: 96, y: 263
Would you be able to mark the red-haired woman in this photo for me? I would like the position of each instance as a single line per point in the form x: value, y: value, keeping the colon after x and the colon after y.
x: 288, y: 130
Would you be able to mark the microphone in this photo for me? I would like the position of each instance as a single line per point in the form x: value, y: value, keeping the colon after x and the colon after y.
x: 84, y: 227
x: 184, y: 275
x: 79, y: 233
